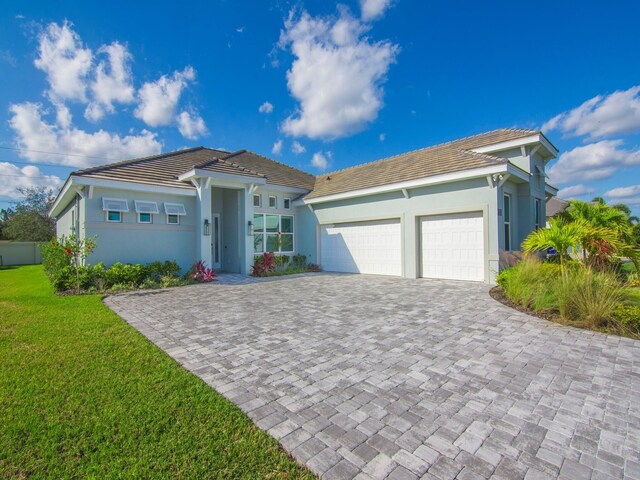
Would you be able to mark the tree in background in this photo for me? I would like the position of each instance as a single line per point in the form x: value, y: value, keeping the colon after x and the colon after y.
x: 29, y: 221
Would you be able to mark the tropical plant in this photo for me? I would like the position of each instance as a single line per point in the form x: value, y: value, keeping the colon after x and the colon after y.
x: 67, y: 252
x: 200, y: 273
x: 561, y: 236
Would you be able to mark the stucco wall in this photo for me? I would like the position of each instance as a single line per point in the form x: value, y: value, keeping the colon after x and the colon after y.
x: 468, y: 195
x: 131, y: 242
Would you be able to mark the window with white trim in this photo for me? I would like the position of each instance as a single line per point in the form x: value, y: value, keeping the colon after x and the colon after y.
x: 273, y: 201
x: 506, y: 214
x: 114, y: 208
x: 272, y: 233
x: 287, y: 204
x: 257, y: 200
x: 174, y: 211
x: 538, y: 213
x: 146, y: 210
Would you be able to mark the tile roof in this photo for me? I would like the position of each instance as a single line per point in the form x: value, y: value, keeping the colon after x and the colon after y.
x: 447, y: 157
x: 555, y: 206
x: 164, y: 169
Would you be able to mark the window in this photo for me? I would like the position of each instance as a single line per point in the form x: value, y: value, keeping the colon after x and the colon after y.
x: 272, y: 233
x: 287, y: 204
x: 506, y: 212
x: 273, y: 202
x: 113, y: 216
x: 538, y: 213
x: 257, y: 200
x: 114, y: 208
x: 145, y: 210
x: 174, y: 211
x: 145, y: 218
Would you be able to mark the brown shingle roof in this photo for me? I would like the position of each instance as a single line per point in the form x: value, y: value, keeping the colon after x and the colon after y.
x: 555, y: 206
x: 448, y: 157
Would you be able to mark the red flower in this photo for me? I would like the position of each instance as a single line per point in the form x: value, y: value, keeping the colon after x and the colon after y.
x: 88, y: 247
x: 53, y: 243
x: 67, y: 251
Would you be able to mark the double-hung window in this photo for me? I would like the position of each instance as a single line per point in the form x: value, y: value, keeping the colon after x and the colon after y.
x: 272, y: 233
x: 257, y: 200
x: 114, y: 208
x: 146, y: 210
x: 506, y: 213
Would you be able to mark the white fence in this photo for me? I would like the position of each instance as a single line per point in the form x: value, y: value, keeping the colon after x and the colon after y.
x: 19, y: 253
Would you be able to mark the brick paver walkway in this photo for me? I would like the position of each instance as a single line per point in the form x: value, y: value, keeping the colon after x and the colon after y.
x: 379, y: 377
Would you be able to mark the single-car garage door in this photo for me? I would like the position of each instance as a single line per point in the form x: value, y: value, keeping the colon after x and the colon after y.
x: 453, y: 246
x: 362, y: 247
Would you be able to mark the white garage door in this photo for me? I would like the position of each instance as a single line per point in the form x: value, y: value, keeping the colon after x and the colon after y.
x: 362, y: 247
x: 453, y: 246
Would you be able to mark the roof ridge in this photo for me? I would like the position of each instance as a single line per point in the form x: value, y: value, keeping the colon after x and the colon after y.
x: 438, y: 145
x: 97, y: 168
x: 241, y: 167
x: 270, y: 159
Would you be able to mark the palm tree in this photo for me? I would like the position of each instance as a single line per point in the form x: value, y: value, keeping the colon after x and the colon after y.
x: 560, y: 235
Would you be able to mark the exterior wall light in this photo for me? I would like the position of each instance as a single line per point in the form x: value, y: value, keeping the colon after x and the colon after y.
x: 207, y: 227
x: 250, y: 228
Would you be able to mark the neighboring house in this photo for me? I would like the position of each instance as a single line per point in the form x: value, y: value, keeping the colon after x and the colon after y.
x: 440, y: 212
x: 555, y: 206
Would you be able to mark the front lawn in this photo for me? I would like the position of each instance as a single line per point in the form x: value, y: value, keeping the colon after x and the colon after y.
x: 83, y: 394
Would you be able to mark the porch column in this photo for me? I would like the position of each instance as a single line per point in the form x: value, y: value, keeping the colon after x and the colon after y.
x: 203, y: 242
x: 245, y: 218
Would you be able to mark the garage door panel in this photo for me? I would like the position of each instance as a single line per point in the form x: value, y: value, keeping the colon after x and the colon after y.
x: 452, y: 246
x: 363, y: 247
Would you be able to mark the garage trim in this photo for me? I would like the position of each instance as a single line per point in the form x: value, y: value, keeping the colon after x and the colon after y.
x: 484, y: 208
x: 367, y: 218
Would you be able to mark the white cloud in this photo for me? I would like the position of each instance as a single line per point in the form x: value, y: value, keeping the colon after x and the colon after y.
x: 337, y: 74
x: 159, y: 99
x: 266, y: 107
x: 277, y: 147
x: 601, y: 116
x: 319, y: 161
x: 373, y: 9
x: 575, y: 191
x: 191, y: 126
x: 592, y: 162
x: 35, y: 134
x: 298, y: 148
x: 62, y: 57
x: 382, y: 137
x: 621, y: 192
x: 14, y: 177
x: 112, y: 83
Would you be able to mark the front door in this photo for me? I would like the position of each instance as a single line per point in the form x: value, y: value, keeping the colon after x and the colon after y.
x: 215, y: 241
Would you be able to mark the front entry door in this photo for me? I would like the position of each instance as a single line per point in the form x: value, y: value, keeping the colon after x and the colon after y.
x: 215, y: 241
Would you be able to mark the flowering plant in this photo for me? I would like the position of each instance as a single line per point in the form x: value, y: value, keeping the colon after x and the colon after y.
x: 68, y: 251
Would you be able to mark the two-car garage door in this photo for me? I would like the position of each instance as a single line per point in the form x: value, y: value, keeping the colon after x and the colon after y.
x: 450, y: 247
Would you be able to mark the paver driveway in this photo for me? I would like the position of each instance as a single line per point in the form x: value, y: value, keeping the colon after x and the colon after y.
x: 364, y: 376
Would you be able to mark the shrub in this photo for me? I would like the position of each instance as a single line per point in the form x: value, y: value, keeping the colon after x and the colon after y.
x: 54, y: 258
x: 633, y: 279
x: 531, y: 283
x: 593, y: 296
x: 263, y: 265
x: 299, y: 260
x: 627, y: 318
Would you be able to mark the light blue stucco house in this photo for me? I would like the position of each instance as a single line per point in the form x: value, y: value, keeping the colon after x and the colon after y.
x: 445, y: 211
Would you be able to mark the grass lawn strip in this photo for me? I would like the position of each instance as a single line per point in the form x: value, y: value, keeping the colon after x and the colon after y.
x: 83, y: 394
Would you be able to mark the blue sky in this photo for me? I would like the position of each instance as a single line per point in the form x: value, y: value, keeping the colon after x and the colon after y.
x: 317, y: 85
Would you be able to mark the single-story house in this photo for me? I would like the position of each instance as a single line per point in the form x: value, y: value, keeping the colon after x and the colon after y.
x: 444, y: 211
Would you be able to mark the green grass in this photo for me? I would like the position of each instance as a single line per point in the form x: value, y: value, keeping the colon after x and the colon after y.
x: 83, y: 394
